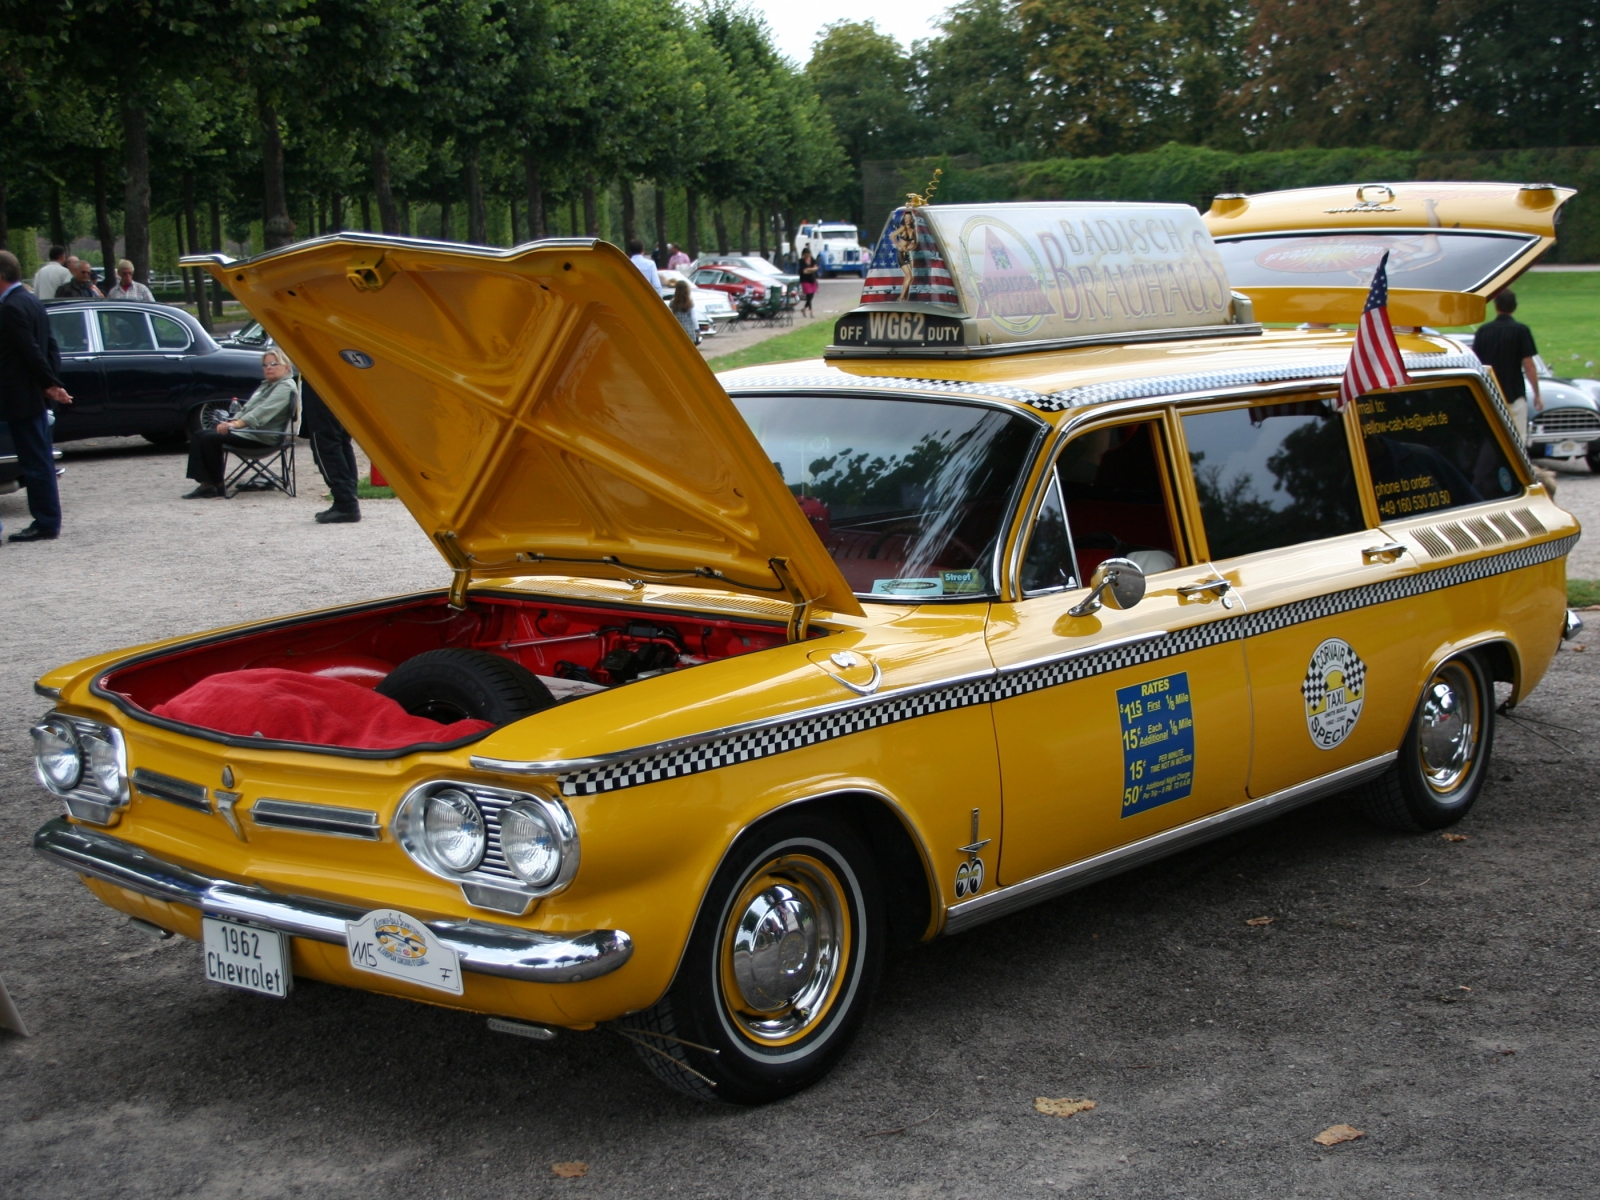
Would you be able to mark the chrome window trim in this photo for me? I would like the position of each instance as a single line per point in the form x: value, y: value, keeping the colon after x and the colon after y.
x: 507, y: 951
x: 1006, y: 900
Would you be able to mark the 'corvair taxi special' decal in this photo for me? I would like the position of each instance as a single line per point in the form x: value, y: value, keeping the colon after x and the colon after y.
x: 393, y: 943
x: 907, y: 587
x: 726, y: 748
x: 1335, y: 688
x: 1157, y: 719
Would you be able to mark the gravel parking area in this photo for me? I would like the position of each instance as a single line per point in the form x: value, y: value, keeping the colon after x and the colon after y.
x: 1437, y: 995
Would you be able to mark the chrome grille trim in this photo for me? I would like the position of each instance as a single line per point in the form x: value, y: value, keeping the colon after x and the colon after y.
x: 171, y: 789
x: 1566, y: 420
x: 492, y: 871
x: 315, y: 818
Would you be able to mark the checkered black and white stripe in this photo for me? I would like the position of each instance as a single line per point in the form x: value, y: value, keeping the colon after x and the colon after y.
x: 650, y: 766
x: 1212, y: 381
x: 855, y: 383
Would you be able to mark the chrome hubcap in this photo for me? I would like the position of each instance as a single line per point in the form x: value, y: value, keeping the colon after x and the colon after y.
x: 784, y: 948
x: 1447, y: 727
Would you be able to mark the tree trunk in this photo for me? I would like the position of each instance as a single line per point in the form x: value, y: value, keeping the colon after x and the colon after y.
x: 572, y: 216
x: 102, y: 218
x: 661, y: 224
x: 202, y: 308
x: 136, y: 196
x: 721, y: 223
x: 277, y: 226
x: 511, y: 200
x: 630, y: 219
x: 183, y: 275
x: 446, y: 229
x: 787, y: 249
x: 366, y: 211
x: 530, y: 168
x: 216, y: 244
x: 388, y: 214
x: 58, y: 227
x: 591, y: 210
x: 5, y: 225
x: 744, y: 230
x: 336, y: 208
x: 761, y: 225
x: 691, y: 200
x: 405, y: 218
x: 477, y: 211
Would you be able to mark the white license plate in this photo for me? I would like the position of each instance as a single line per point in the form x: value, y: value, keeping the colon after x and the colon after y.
x: 1569, y: 449
x: 246, y: 956
x: 390, y: 942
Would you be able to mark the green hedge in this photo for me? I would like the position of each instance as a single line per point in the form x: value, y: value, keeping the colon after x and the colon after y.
x: 1193, y: 175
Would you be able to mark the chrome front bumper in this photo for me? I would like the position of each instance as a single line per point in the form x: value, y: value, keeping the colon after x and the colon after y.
x: 485, y: 948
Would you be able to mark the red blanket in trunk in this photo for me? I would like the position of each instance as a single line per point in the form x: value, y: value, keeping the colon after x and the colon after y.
x: 289, y: 706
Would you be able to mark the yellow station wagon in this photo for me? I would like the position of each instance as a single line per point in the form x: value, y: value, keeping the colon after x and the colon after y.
x: 1058, y: 561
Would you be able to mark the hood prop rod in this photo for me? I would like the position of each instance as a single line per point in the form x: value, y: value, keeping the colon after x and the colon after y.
x: 800, y: 613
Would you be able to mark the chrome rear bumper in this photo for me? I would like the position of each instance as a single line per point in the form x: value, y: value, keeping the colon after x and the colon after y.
x: 485, y: 948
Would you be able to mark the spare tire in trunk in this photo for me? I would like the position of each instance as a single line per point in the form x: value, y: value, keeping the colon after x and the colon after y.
x: 459, y: 685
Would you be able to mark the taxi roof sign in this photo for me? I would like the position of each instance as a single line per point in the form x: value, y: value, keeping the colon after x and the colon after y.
x: 971, y: 279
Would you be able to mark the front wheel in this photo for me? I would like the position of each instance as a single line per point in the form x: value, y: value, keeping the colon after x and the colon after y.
x: 1445, y: 758
x: 780, y: 967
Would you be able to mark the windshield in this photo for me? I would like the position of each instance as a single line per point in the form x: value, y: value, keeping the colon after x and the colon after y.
x: 252, y: 335
x: 1430, y: 259
x: 831, y: 234
x: 909, y: 497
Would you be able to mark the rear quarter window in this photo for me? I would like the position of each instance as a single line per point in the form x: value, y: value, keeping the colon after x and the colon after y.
x: 1433, y: 449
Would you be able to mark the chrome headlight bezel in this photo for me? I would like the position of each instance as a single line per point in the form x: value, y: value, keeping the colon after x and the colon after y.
x: 100, y: 790
x: 492, y: 872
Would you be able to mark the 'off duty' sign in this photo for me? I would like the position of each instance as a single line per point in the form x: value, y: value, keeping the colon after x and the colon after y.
x: 896, y: 329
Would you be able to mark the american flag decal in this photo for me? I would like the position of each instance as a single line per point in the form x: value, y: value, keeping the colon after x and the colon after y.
x: 1375, y: 361
x: 930, y: 275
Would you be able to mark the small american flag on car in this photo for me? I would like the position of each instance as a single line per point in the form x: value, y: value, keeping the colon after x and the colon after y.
x: 930, y: 276
x: 1375, y: 360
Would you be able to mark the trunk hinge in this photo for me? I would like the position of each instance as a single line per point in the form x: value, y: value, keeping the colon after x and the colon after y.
x: 460, y: 565
x: 800, y: 613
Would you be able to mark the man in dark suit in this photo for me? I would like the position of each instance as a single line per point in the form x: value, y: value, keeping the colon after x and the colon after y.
x: 30, y: 366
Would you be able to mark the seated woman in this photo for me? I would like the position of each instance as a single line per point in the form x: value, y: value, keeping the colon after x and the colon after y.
x: 263, y: 420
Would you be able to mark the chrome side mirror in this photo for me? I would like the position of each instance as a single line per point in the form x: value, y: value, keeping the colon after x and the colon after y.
x: 1117, y: 582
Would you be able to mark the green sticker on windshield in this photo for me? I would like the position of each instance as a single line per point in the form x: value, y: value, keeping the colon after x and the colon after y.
x: 962, y: 583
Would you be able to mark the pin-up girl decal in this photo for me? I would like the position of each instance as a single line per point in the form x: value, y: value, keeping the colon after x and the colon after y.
x: 905, y: 246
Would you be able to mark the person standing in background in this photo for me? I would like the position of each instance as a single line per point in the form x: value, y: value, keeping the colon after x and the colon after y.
x: 646, y: 264
x: 81, y: 285
x: 52, y: 275
x: 30, y: 376
x: 125, y: 288
x: 809, y: 271
x: 677, y: 260
x: 334, y: 455
x: 1506, y: 346
x: 682, y: 305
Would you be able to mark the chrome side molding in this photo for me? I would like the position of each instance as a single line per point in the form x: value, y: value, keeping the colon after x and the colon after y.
x: 1003, y: 901
x: 528, y: 955
x: 315, y: 818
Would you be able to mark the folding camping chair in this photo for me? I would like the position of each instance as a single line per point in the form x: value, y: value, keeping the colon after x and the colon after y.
x: 265, y: 466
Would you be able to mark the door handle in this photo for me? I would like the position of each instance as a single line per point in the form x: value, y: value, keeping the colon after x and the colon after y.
x: 1385, y: 553
x: 1218, y: 587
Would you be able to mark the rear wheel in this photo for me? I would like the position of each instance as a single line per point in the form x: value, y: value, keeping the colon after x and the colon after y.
x: 1445, y: 758
x: 781, y: 965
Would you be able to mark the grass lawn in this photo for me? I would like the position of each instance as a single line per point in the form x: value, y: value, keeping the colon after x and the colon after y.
x: 1583, y: 592
x: 806, y: 341
x: 1563, y: 310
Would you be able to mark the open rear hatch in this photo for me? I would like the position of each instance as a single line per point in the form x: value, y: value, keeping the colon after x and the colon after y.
x: 1309, y: 254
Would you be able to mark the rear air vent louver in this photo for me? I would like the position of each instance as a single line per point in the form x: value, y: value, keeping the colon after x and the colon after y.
x: 1432, y: 542
x: 1481, y: 530
x: 1507, y: 526
x: 1528, y: 521
x: 1458, y: 537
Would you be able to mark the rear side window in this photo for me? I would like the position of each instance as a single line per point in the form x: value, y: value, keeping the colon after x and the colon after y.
x: 1432, y: 449
x: 1272, y: 475
x: 70, y: 332
x: 124, y: 329
x: 170, y: 335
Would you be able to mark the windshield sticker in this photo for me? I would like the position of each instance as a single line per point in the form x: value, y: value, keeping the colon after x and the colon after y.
x: 962, y: 583
x: 1157, y: 742
x: 908, y: 587
x: 1335, y: 688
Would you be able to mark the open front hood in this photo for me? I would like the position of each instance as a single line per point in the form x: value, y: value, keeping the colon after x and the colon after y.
x: 1309, y: 254
x: 539, y: 411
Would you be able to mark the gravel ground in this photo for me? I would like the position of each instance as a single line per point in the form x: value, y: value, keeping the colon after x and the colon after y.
x: 1437, y: 995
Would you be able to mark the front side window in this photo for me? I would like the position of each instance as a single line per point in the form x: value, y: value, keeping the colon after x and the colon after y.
x: 1047, y: 567
x: 910, y: 497
x: 1272, y: 475
x: 71, y: 334
x: 124, y: 329
x: 1432, y: 449
x: 1115, y: 504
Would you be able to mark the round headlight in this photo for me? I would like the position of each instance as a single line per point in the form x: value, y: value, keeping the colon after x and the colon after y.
x: 105, y: 767
x: 531, y: 847
x: 453, y: 831
x: 57, y: 755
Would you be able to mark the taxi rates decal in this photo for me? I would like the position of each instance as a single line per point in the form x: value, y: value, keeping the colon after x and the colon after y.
x: 1335, y: 688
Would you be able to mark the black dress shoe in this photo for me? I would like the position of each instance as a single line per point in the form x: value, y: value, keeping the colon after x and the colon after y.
x: 338, y: 516
x: 204, y: 492
x: 34, y: 534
